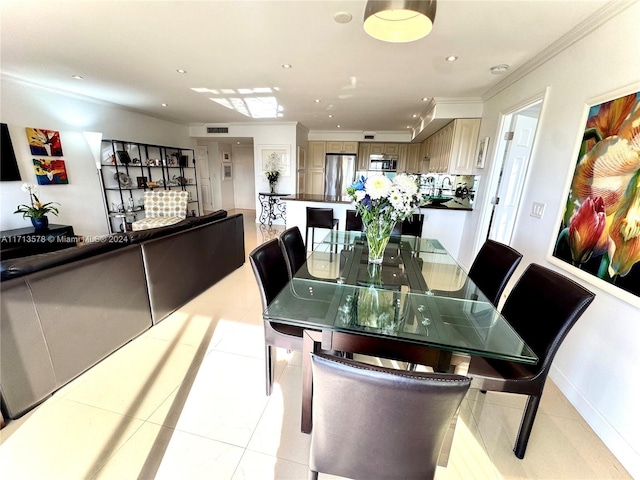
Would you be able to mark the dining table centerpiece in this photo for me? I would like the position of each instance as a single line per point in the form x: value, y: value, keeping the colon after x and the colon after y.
x: 37, y: 211
x: 381, y: 203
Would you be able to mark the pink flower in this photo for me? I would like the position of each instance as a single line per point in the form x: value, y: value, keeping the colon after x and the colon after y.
x: 586, y: 230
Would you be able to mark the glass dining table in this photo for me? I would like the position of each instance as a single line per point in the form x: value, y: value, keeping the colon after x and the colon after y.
x: 419, y: 306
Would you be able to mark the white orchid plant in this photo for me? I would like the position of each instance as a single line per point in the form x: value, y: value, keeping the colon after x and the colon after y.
x: 37, y: 209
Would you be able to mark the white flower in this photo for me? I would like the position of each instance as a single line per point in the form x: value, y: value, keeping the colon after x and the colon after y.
x: 406, y: 183
x: 29, y: 188
x: 378, y: 186
x: 359, y: 195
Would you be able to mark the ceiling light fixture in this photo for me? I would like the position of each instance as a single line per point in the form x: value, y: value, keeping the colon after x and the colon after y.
x: 425, y: 99
x: 317, y: 100
x: 499, y: 69
x: 77, y: 77
x: 342, y: 17
x: 451, y: 58
x: 164, y: 105
x: 399, y: 21
x: 180, y: 70
x: 286, y: 65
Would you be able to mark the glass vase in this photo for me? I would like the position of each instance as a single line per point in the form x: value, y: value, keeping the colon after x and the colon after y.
x: 377, y: 232
x: 272, y: 187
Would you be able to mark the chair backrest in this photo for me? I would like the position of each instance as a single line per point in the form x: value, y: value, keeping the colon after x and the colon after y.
x: 411, y: 226
x: 166, y: 203
x: 378, y: 423
x: 295, y: 253
x: 319, y: 217
x: 353, y: 222
x: 270, y: 269
x: 493, y: 267
x: 542, y: 308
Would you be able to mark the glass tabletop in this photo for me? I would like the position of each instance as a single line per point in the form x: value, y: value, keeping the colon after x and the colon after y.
x: 418, y: 295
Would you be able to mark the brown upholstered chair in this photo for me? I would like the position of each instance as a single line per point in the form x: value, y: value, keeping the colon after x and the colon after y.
x: 542, y: 308
x: 270, y: 268
x: 379, y: 423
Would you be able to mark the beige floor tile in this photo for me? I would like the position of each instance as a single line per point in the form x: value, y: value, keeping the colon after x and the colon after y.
x: 258, y: 466
x: 64, y: 440
x: 157, y: 452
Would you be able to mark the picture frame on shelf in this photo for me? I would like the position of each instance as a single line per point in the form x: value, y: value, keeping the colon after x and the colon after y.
x: 593, y: 239
x: 481, y: 153
x: 142, y: 182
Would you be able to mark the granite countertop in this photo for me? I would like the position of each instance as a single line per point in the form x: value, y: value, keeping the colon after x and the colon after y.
x: 307, y: 197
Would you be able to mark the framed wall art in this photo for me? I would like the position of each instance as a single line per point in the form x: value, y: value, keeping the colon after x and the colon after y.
x: 50, y: 172
x: 481, y: 154
x: 226, y: 157
x: 276, y: 157
x: 598, y: 238
x: 44, y: 142
x: 227, y: 172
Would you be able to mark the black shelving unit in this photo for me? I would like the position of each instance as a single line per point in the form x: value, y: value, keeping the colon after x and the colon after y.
x: 128, y: 169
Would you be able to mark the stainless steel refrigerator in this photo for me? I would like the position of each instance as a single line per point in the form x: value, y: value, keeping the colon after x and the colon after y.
x: 339, y: 173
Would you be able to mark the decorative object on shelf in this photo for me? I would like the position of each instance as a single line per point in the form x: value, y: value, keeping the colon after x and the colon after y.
x: 399, y: 21
x: 124, y: 157
x: 50, y: 172
x: 481, y: 154
x: 123, y: 179
x: 382, y: 203
x: 180, y: 180
x: 38, y: 211
x: 44, y: 142
x: 598, y: 237
x: 142, y: 182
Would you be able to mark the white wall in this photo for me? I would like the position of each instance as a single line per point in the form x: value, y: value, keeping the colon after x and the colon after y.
x: 595, y: 365
x: 81, y: 203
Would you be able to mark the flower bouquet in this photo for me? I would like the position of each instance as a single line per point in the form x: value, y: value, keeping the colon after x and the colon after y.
x: 37, y: 211
x: 272, y: 171
x: 382, y: 203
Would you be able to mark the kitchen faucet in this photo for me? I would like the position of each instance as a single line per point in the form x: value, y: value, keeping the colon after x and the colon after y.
x: 448, y: 180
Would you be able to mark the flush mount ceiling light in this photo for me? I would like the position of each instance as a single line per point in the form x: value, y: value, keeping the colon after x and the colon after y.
x: 499, y: 69
x: 399, y: 21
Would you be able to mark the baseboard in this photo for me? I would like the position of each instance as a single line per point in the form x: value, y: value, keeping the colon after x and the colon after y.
x: 619, y: 447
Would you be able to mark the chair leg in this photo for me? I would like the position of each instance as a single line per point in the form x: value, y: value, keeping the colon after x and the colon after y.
x: 268, y: 360
x: 526, y: 425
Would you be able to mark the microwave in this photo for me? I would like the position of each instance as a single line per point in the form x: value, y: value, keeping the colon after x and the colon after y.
x: 383, y: 163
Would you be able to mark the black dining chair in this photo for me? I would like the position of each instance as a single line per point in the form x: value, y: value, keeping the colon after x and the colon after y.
x: 270, y: 269
x: 319, y: 218
x: 542, y: 308
x: 411, y: 226
x: 353, y: 222
x: 295, y: 254
x: 379, y: 423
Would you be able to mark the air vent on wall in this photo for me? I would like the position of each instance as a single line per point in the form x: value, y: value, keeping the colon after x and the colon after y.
x: 217, y: 129
x: 369, y: 135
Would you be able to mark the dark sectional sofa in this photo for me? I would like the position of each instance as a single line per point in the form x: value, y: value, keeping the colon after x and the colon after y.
x: 62, y: 312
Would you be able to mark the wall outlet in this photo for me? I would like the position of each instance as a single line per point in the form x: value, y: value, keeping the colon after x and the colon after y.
x: 537, y: 210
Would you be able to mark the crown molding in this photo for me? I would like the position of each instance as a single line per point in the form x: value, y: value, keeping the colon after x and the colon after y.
x: 580, y: 31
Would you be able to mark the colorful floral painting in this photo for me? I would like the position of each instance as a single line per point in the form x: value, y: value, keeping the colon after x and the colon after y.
x: 44, y: 142
x: 50, y: 172
x: 600, y: 228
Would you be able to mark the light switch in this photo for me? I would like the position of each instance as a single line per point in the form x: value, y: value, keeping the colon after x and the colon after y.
x: 537, y: 210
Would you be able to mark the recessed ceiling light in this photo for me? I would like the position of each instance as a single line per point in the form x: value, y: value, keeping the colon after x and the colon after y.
x: 451, y: 58
x: 180, y: 70
x: 77, y: 77
x: 338, y: 126
x: 286, y: 65
x: 415, y: 115
x: 408, y: 126
x: 317, y: 100
x: 342, y: 17
x: 499, y: 69
x: 330, y: 116
x: 165, y: 105
x: 424, y: 99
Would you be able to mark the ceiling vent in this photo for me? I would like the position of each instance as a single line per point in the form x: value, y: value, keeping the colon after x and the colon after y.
x: 217, y: 129
x: 369, y: 135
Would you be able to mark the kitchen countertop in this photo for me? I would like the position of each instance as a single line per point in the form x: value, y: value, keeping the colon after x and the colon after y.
x: 307, y: 197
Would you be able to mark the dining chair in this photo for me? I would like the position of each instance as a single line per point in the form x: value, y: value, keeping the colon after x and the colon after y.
x: 295, y: 253
x: 353, y: 222
x: 270, y: 269
x: 379, y: 423
x: 410, y: 226
x: 542, y: 308
x: 492, y: 268
x: 319, y: 218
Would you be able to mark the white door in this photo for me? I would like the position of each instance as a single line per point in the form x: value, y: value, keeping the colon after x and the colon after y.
x: 205, y: 179
x: 244, y: 178
x: 512, y: 177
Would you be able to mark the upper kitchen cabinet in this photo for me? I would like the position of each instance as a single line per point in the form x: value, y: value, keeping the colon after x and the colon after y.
x: 318, y: 152
x: 384, y: 148
x: 402, y: 158
x: 414, y: 159
x: 451, y: 149
x: 341, y: 147
x: 363, y: 156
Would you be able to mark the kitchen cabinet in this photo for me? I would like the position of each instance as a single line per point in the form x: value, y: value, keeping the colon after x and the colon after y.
x: 402, y: 157
x: 452, y: 148
x: 414, y: 160
x: 341, y: 147
x: 363, y: 156
x: 384, y: 148
x: 391, y: 148
x: 318, y: 152
x: 315, y: 182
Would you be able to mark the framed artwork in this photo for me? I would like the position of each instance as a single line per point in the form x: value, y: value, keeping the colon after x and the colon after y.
x: 44, y: 142
x: 226, y: 171
x: 50, y: 172
x: 226, y: 157
x: 598, y: 237
x: 481, y: 154
x: 142, y: 182
x: 276, y: 157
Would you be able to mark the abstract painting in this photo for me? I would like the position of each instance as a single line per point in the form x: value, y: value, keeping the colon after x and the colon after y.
x: 599, y: 230
x: 44, y: 142
x: 50, y: 172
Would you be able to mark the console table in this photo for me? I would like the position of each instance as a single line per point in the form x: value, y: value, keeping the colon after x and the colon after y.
x: 272, y: 207
x: 22, y: 242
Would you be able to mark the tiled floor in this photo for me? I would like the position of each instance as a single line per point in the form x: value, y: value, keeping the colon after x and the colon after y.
x: 186, y: 400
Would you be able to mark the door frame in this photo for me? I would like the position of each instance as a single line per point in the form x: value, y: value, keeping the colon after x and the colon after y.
x: 497, y: 157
